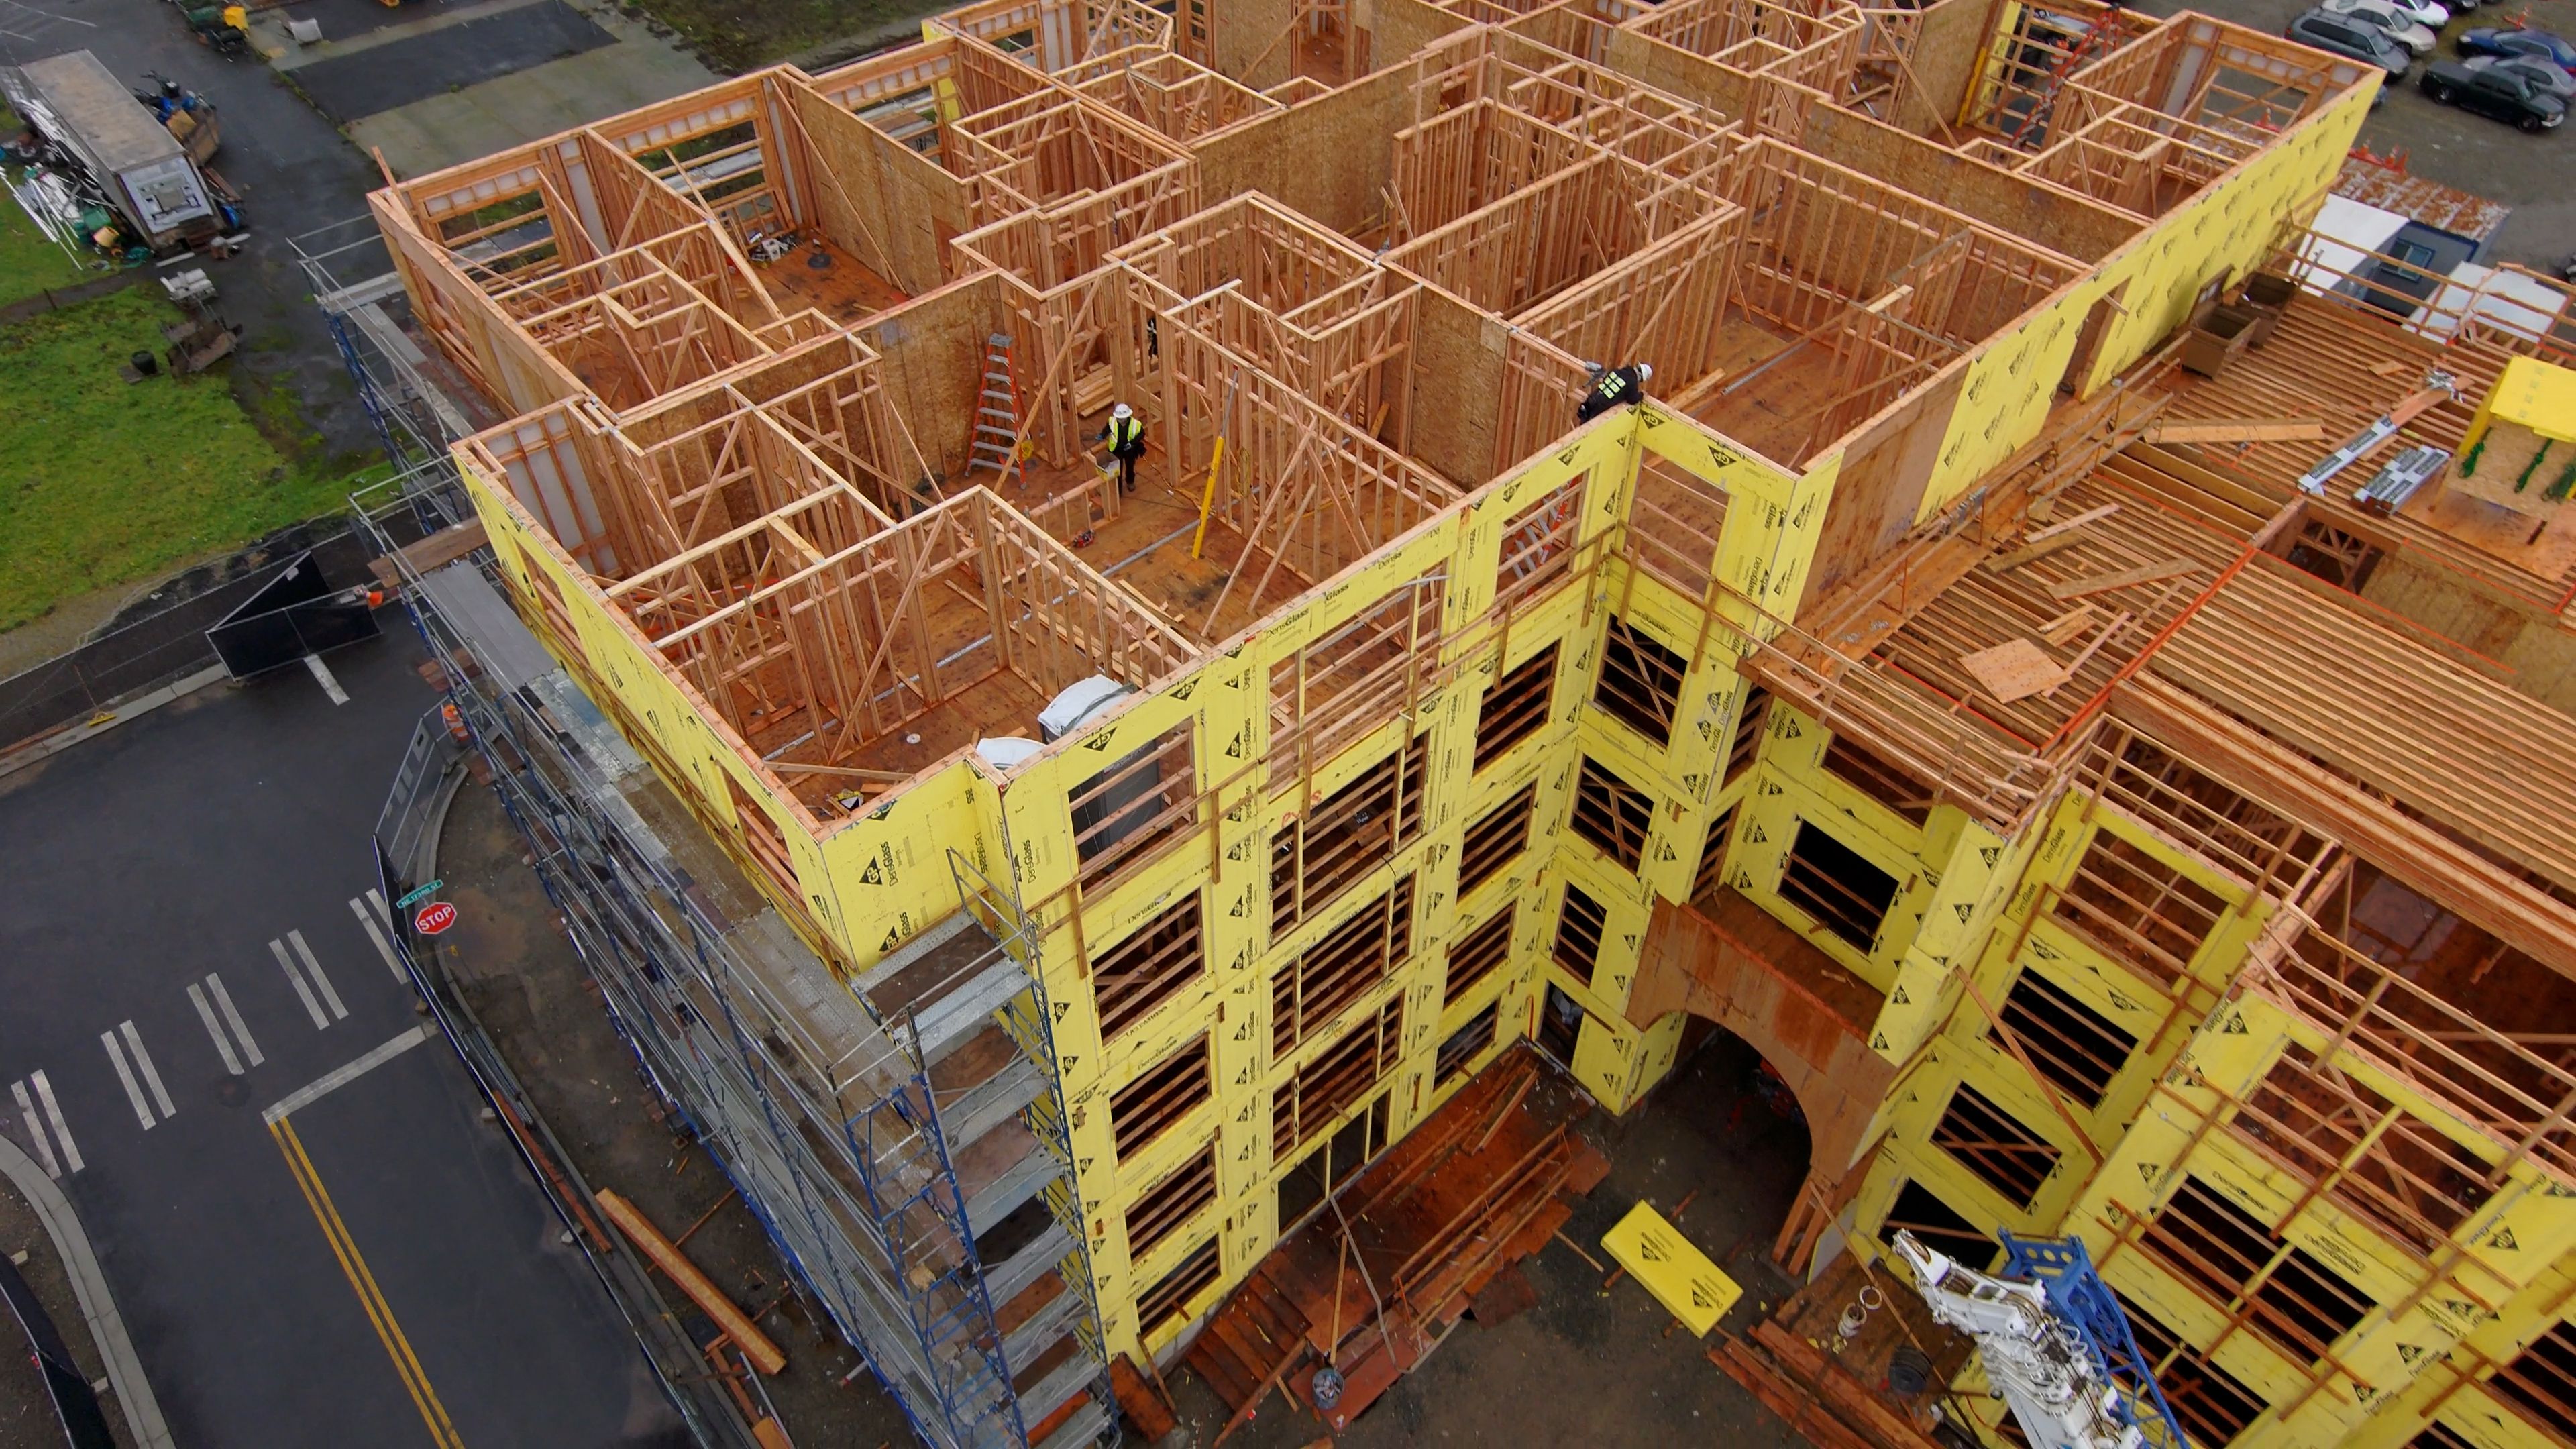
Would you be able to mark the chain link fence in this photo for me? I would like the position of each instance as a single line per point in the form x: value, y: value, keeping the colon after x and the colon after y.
x: 151, y: 651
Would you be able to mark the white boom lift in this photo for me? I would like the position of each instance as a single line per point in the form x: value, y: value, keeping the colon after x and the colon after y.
x: 2055, y: 1343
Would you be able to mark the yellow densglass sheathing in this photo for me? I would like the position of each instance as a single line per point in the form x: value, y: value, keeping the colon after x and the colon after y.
x: 2151, y: 284
x: 2499, y: 1281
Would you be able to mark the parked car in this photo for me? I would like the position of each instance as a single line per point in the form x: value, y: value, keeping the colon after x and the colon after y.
x: 2541, y: 72
x: 2351, y: 39
x: 2508, y: 94
x: 2510, y: 40
x: 2388, y: 15
x: 2428, y: 13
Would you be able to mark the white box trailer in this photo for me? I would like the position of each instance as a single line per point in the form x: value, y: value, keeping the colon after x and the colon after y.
x: 136, y: 163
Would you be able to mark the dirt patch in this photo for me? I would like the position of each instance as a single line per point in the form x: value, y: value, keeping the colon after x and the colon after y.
x: 528, y: 987
x: 26, y: 1415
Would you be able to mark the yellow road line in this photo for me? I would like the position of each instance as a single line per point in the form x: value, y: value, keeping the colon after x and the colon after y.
x: 363, y: 1282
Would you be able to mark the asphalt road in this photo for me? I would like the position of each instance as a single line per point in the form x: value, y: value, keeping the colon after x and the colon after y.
x: 187, y: 851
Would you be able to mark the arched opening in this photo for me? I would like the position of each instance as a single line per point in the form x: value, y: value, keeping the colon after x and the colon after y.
x: 1734, y: 1134
x: 1745, y: 973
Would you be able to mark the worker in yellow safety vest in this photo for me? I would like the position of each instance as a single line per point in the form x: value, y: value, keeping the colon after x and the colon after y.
x: 1126, y: 438
x: 1611, y: 387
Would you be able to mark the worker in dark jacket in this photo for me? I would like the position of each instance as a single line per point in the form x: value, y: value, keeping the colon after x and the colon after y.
x: 1614, y: 387
x: 1125, y: 436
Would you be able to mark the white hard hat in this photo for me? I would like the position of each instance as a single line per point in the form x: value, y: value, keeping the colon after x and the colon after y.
x: 1645, y: 372
x: 1122, y: 411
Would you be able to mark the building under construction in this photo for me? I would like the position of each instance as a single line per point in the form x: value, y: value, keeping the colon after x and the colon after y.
x: 2018, y: 672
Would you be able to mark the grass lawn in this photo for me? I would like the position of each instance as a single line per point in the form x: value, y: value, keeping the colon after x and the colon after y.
x: 108, y: 481
x: 28, y: 262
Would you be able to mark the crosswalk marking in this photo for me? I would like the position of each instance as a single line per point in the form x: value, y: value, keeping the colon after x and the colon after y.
x: 125, y: 1074
x: 36, y: 1130
x: 384, y: 948
x: 214, y: 1029
x: 233, y: 1018
x: 313, y: 969
x: 151, y: 1073
x: 54, y: 1114
x: 286, y: 964
x: 376, y: 898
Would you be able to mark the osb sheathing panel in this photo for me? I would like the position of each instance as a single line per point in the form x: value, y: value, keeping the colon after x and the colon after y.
x: 1249, y: 32
x: 1399, y: 28
x: 2540, y: 649
x: 1881, y: 487
x: 1458, y: 386
x: 1946, y: 53
x: 1277, y: 155
x: 933, y: 348
x: 2059, y: 220
x: 1677, y: 72
x: 911, y: 206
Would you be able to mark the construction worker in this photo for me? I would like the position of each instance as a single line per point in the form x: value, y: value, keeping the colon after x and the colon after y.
x: 1613, y: 387
x: 1126, y: 438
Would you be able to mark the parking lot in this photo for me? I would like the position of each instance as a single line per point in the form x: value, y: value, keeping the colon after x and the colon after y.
x: 2535, y: 175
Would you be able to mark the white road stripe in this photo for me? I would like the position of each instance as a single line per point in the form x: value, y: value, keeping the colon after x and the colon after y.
x: 313, y: 968
x: 286, y: 964
x: 322, y: 676
x: 214, y: 1029
x: 36, y: 1130
x: 306, y: 1096
x: 384, y: 948
x: 125, y: 1074
x: 376, y: 898
x: 54, y: 1114
x: 151, y: 1073
x: 224, y: 999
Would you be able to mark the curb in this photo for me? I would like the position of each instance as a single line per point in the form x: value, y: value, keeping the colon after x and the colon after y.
x: 105, y: 720
x: 97, y: 1304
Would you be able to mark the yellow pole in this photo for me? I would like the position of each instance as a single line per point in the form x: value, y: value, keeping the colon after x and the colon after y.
x: 1207, y: 497
x: 1216, y: 460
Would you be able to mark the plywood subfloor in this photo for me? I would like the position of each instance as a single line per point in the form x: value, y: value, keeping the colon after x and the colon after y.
x: 1145, y: 547
x: 845, y: 291
x: 1774, y: 412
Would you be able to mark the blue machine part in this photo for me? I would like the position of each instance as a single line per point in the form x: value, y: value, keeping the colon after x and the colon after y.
x: 2064, y: 1271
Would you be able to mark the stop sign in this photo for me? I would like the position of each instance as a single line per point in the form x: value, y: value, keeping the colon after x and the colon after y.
x: 435, y: 917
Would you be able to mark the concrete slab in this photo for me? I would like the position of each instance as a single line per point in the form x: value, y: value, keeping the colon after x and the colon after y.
x: 486, y: 48
x: 443, y: 130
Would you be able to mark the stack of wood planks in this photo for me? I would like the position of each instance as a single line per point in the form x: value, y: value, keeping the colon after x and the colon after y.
x: 1374, y: 1280
x: 1834, y: 1390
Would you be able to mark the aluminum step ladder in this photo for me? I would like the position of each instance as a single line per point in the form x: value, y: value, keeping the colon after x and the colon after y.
x: 997, y: 442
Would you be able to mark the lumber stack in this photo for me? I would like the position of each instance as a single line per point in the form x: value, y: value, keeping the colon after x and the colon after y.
x: 1372, y: 1283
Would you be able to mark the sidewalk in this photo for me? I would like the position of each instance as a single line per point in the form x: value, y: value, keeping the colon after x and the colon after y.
x: 464, y: 81
x: 36, y: 1219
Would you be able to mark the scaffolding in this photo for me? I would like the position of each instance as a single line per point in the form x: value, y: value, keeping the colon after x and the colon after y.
x: 843, y: 1118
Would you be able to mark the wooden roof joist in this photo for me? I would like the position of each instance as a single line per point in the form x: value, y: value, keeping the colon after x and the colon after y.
x: 2368, y: 699
x: 2428, y: 861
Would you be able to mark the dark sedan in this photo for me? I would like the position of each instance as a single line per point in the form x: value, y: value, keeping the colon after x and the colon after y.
x: 2506, y: 93
x: 2507, y: 40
